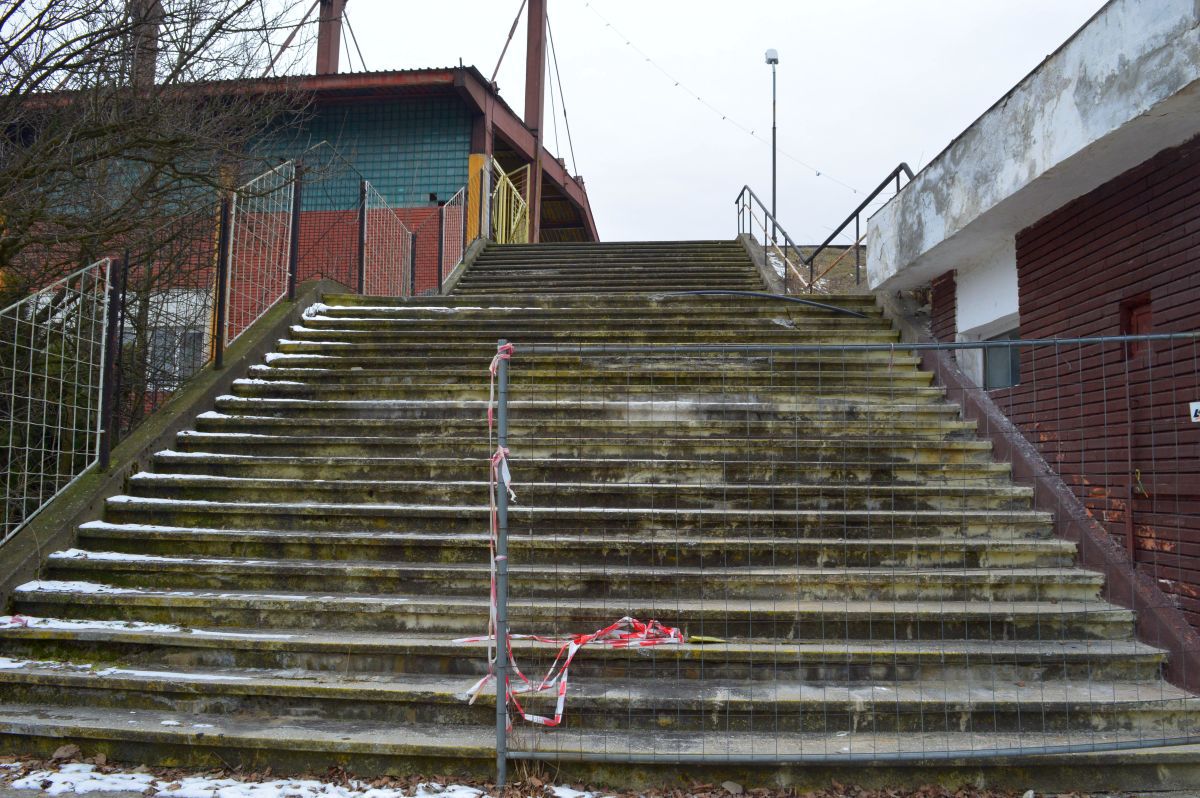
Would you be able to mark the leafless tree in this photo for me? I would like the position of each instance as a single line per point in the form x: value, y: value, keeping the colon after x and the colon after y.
x: 119, y: 118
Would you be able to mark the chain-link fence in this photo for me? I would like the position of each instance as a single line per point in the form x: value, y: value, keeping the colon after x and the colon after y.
x: 811, y: 554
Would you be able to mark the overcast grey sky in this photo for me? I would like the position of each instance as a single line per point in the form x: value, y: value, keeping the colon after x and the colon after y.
x: 863, y: 85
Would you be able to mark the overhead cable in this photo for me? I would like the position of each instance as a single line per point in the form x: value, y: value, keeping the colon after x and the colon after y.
x: 817, y: 172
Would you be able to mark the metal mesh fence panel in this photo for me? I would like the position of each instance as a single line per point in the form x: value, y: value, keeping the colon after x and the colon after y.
x: 259, y: 247
x: 51, y: 357
x: 852, y: 571
x: 454, y: 233
x: 329, y: 216
x: 387, y: 248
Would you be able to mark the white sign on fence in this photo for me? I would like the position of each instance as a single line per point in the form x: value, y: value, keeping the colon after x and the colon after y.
x: 1195, y: 412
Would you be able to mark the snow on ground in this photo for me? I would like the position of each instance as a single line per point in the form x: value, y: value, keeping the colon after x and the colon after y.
x: 83, y: 779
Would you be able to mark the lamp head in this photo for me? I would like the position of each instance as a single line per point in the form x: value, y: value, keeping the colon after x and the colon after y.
x: 772, y: 56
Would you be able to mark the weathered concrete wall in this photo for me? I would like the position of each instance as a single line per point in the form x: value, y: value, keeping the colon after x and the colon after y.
x: 1124, y: 88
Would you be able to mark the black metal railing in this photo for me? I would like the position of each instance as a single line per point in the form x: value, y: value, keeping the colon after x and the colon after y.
x: 798, y: 270
x: 856, y: 217
x: 778, y: 248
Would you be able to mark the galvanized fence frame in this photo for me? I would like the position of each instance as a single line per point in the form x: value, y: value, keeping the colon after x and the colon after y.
x: 55, y: 347
x: 260, y: 245
x: 1061, y: 365
x: 387, y: 248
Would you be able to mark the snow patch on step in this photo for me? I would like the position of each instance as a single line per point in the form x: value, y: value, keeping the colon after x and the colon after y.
x: 84, y: 624
x: 91, y: 624
x: 255, y: 381
x: 173, y: 675
x: 271, y: 357
x: 72, y: 586
x: 82, y: 779
x: 121, y: 556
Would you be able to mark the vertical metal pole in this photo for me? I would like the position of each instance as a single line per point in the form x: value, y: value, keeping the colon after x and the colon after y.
x: 462, y: 221
x: 501, y: 579
x: 294, y: 253
x: 362, y: 236
x: 108, y: 394
x: 774, y: 214
x: 441, y: 243
x: 412, y: 273
x: 857, y: 236
x: 224, y: 244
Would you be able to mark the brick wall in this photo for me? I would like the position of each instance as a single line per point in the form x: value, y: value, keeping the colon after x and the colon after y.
x: 1112, y: 419
x: 943, y: 307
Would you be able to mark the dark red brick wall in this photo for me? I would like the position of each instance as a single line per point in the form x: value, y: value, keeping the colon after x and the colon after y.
x: 943, y: 307
x: 1112, y: 419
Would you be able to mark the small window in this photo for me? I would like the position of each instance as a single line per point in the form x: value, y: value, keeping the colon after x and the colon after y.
x: 1002, y: 364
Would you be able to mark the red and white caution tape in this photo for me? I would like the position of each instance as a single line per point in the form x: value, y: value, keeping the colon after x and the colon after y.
x: 625, y: 633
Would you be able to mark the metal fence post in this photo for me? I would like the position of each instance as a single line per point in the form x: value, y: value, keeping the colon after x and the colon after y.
x: 857, y: 262
x: 294, y: 243
x: 114, y: 289
x: 224, y: 245
x: 362, y: 236
x: 412, y: 272
x: 441, y: 243
x: 501, y: 576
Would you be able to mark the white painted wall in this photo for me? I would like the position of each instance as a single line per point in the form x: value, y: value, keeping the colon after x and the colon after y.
x: 986, y: 299
x: 1125, y: 87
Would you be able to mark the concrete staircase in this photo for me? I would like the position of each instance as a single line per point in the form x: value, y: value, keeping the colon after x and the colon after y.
x: 283, y: 588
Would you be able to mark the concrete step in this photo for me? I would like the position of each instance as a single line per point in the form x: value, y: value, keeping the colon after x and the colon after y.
x: 296, y: 745
x: 614, y: 578
x: 618, y: 705
x: 945, y: 450
x: 667, y: 412
x: 809, y: 662
x: 732, y: 310
x: 526, y: 430
x: 731, y: 305
x: 725, y: 618
x: 579, y: 365
x: 659, y: 521
x: 671, y: 345
x: 682, y: 324
x: 879, y: 471
x: 673, y: 495
x: 560, y: 549
x: 358, y: 386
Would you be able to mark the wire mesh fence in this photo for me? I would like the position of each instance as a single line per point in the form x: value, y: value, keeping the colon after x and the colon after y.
x: 851, y: 573
x: 453, y: 235
x: 166, y: 313
x: 387, y: 248
x: 259, y: 247
x: 51, y: 356
x: 330, y: 223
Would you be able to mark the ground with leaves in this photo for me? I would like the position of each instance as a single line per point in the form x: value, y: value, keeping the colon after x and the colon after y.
x: 69, y: 773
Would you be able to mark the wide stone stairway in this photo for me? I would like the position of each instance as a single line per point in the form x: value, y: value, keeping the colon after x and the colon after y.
x: 853, y: 571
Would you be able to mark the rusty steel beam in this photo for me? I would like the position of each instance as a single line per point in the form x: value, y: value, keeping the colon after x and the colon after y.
x: 329, y: 36
x: 535, y: 104
x: 512, y: 131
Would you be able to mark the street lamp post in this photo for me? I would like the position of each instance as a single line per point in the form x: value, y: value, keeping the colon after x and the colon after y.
x: 773, y: 60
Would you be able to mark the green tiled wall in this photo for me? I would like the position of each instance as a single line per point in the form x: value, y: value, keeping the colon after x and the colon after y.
x: 407, y: 149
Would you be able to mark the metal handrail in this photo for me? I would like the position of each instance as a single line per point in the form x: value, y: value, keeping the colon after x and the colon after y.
x: 855, y: 216
x: 747, y: 224
x: 510, y: 210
